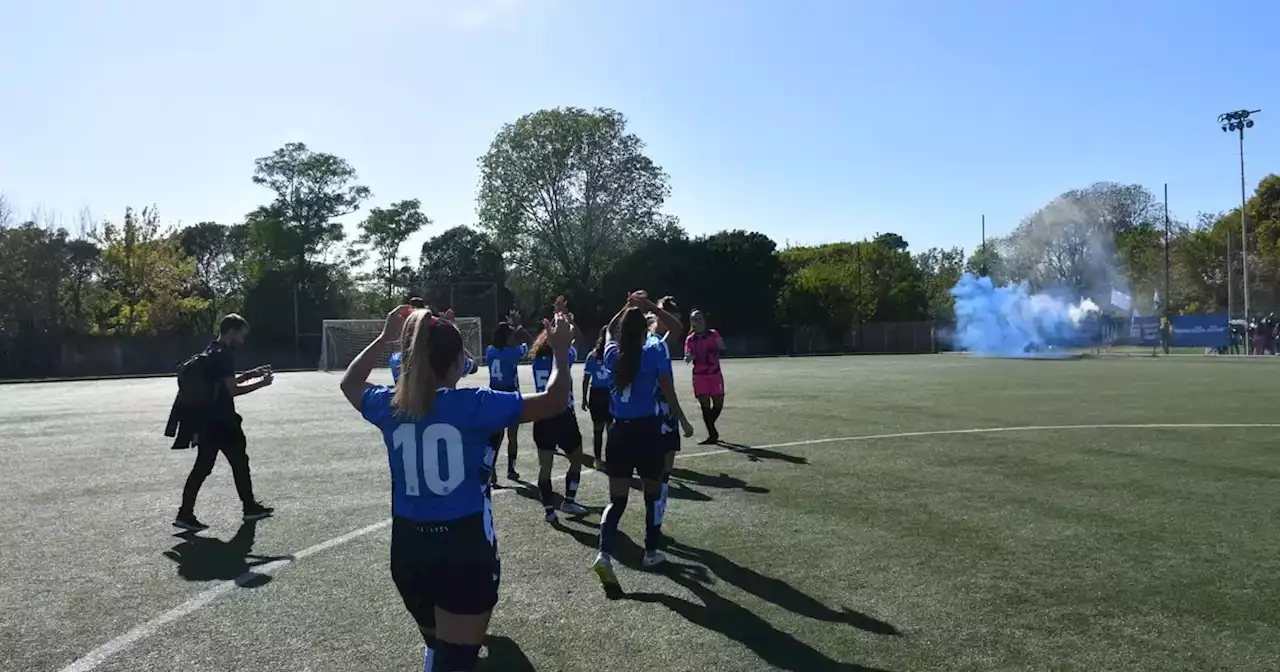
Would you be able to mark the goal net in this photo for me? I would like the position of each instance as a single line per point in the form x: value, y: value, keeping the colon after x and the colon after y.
x: 342, y: 340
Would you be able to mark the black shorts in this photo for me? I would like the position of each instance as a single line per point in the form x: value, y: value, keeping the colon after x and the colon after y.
x: 559, y: 432
x: 452, y: 565
x: 634, y: 447
x: 599, y: 405
x: 670, y: 437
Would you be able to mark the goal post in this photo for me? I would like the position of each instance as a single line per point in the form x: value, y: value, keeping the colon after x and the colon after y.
x: 342, y: 340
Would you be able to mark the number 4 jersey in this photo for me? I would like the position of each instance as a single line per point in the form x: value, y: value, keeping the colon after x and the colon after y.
x: 440, y: 464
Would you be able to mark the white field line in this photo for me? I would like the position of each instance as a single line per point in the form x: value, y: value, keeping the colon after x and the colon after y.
x: 96, y: 657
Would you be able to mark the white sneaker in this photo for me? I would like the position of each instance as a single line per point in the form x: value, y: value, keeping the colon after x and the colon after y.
x: 603, y: 568
x: 572, y: 508
x: 653, y: 558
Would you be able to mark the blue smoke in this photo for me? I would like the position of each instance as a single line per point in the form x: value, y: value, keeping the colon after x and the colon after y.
x: 1010, y: 321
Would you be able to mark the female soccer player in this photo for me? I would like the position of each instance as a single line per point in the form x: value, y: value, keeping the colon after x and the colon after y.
x: 503, y: 359
x: 667, y: 330
x: 703, y: 348
x: 640, y: 367
x: 444, y: 552
x: 596, y: 381
x: 560, y: 432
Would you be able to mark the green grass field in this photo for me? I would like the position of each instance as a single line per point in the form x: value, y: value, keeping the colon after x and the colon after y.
x: 887, y: 515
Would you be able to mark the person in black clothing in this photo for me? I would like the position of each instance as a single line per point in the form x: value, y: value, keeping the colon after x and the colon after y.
x: 220, y: 431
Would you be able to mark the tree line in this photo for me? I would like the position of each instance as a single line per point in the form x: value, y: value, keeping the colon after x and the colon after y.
x: 569, y: 203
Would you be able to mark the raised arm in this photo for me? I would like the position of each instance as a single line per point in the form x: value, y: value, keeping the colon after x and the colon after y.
x: 356, y: 378
x: 554, y: 401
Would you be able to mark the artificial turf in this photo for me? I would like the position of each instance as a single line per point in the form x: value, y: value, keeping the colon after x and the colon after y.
x: 905, y: 543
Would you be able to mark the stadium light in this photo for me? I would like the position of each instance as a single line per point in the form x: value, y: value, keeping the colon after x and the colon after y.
x: 1236, y: 122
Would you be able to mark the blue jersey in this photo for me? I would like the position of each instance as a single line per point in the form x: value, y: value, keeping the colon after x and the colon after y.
x: 669, y: 423
x: 640, y: 398
x: 600, y: 376
x: 504, y: 372
x: 542, y: 372
x: 468, y: 367
x: 440, y: 465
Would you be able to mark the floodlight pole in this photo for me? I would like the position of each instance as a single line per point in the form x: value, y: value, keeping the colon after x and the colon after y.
x: 1238, y: 121
x: 983, y: 266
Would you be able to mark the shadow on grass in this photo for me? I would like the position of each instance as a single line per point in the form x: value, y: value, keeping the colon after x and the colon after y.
x: 504, y: 655
x: 212, y: 559
x: 777, y: 591
x: 530, y: 491
x: 757, y: 454
x: 723, y: 481
x: 675, y: 490
x: 730, y: 619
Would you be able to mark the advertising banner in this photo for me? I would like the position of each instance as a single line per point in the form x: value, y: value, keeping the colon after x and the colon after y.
x: 1200, y: 331
x: 1145, y: 331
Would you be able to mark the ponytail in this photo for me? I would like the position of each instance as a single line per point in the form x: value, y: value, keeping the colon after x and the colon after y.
x: 430, y: 349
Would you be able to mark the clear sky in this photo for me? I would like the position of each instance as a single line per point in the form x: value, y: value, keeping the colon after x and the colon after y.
x: 808, y: 120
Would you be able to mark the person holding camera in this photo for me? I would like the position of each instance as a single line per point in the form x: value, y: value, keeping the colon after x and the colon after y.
x: 219, y: 429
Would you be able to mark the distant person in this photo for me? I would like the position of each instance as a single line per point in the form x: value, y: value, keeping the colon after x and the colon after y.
x: 444, y: 549
x: 560, y: 431
x: 220, y: 429
x: 703, y: 347
x: 596, y: 381
x: 510, y: 346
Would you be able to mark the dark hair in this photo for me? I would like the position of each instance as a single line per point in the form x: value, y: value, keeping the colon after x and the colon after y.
x: 417, y: 302
x: 502, y: 335
x: 232, y: 322
x: 668, y: 303
x: 597, y: 353
x: 541, y: 348
x: 430, y: 348
x: 631, y: 337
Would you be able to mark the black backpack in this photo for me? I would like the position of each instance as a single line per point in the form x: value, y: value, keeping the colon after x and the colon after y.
x: 195, y: 387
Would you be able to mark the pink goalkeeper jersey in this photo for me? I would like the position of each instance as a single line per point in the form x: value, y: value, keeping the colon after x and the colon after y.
x: 705, y: 349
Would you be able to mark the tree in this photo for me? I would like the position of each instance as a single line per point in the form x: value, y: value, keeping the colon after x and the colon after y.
x: 462, y: 266
x: 312, y: 189
x: 215, y: 251
x: 940, y: 270
x: 384, y: 231
x: 566, y: 192
x: 144, y: 274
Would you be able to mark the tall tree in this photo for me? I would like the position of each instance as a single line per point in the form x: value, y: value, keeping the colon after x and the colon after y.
x: 567, y: 192
x: 215, y: 251
x: 940, y: 270
x: 462, y: 266
x: 145, y: 275
x: 385, y: 231
x: 312, y: 189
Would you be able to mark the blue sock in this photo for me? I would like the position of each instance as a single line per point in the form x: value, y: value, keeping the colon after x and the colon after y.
x: 660, y: 514
x: 431, y: 654
x: 609, y: 523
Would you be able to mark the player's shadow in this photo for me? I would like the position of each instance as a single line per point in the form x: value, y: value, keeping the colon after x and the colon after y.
x: 675, y: 490
x: 757, y: 454
x: 625, y: 551
x: 730, y: 619
x: 723, y: 481
x: 777, y: 591
x: 212, y: 559
x: 530, y: 491
x: 504, y: 655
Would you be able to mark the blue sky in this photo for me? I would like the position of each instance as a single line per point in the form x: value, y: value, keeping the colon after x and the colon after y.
x: 808, y: 120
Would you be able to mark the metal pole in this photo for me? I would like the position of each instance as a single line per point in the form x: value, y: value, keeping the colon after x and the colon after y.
x: 1244, y: 231
x: 982, y: 268
x: 1231, y: 278
x: 1167, y: 282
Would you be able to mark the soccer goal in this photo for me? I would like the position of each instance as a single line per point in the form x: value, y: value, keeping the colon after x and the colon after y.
x: 342, y: 340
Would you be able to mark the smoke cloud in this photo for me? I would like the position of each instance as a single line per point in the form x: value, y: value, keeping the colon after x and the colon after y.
x: 1010, y: 321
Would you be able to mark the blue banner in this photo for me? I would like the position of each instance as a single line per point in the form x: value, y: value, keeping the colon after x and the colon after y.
x: 1200, y: 331
x: 1145, y: 331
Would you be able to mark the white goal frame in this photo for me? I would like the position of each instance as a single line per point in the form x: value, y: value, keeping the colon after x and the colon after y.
x: 342, y: 340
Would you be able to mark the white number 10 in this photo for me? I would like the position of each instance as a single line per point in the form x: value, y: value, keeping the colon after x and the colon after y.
x: 407, y: 443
